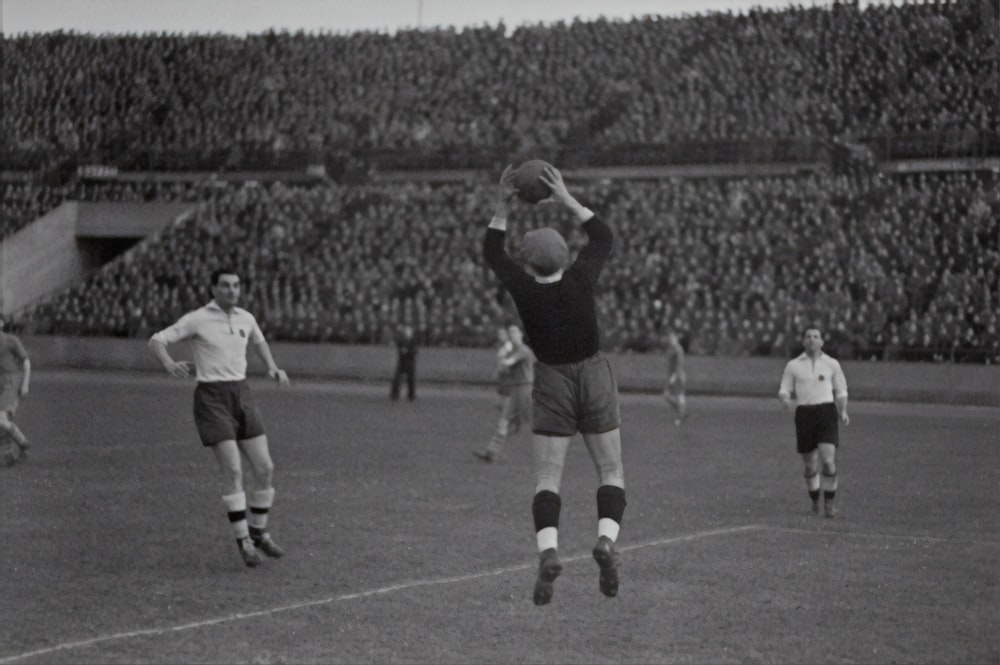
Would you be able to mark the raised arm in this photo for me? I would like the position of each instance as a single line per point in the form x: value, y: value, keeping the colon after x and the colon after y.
x: 600, y: 239
x: 560, y: 194
x: 493, y: 244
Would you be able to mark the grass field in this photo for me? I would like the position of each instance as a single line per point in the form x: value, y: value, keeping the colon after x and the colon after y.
x: 402, y: 547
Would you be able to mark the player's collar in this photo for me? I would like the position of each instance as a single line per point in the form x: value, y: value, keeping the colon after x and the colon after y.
x: 550, y: 279
x: 216, y: 306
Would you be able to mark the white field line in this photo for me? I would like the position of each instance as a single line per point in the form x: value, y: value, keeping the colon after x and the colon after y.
x: 884, y: 536
x: 402, y: 586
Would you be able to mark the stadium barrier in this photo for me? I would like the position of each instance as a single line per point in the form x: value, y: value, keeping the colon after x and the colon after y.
x: 974, y: 385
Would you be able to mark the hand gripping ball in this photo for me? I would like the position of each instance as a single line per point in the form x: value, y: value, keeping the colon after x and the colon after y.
x: 530, y: 187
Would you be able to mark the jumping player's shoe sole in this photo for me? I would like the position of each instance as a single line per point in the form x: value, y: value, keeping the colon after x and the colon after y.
x: 549, y: 568
x: 607, y: 559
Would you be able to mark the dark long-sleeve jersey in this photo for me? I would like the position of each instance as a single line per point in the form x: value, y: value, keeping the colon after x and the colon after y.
x: 560, y: 318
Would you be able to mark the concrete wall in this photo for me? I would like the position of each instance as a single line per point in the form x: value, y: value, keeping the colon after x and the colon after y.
x: 905, y: 382
x: 39, y: 258
x: 46, y: 255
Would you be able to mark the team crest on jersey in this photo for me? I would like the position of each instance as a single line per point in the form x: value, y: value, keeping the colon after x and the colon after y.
x: 244, y: 334
x: 821, y: 377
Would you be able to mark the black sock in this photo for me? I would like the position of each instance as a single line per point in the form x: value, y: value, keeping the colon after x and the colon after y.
x: 545, y: 509
x: 611, y: 502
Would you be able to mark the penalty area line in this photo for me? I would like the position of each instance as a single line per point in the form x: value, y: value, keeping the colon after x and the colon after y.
x: 401, y: 586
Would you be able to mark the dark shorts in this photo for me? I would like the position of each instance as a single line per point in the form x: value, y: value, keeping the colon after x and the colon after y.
x: 575, y: 397
x: 224, y: 411
x: 816, y: 424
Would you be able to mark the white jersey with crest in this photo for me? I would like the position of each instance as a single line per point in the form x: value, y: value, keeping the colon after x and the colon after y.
x: 218, y: 340
x: 813, y: 380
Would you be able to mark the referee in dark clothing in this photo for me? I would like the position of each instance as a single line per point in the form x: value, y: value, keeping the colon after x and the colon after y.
x: 574, y: 389
x: 406, y: 364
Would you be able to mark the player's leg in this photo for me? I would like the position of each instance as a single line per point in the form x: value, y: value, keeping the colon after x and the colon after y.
x: 549, y: 453
x: 805, y: 445
x: 261, y: 498
x: 606, y: 452
x: 682, y: 409
x: 668, y: 396
x: 8, y: 448
x: 811, y: 463
x: 411, y: 379
x: 524, y: 407
x: 397, y: 380
x: 494, y: 449
x: 600, y: 424
x: 10, y: 430
x: 227, y: 455
x: 554, y: 420
x: 827, y: 437
x: 217, y: 417
x: 828, y: 457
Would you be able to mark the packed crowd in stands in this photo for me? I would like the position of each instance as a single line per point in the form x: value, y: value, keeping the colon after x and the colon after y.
x: 895, y: 267
x: 180, y: 101
x: 899, y: 267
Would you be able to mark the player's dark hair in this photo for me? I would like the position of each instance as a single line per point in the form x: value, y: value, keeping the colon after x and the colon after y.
x: 219, y: 272
x: 811, y: 326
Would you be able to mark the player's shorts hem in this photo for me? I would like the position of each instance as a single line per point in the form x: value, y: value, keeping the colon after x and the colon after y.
x: 602, y: 431
x: 541, y: 432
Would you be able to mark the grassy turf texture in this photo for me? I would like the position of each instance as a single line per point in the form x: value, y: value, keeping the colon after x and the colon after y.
x: 404, y: 548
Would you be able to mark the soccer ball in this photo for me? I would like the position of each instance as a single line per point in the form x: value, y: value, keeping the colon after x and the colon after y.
x: 530, y: 187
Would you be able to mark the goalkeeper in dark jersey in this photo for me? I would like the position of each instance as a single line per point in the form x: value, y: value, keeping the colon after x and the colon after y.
x: 575, y: 389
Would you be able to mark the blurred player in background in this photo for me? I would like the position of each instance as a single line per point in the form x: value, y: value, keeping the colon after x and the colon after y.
x: 500, y: 371
x: 224, y: 411
x: 575, y: 389
x: 406, y: 363
x: 816, y: 382
x: 516, y: 374
x: 676, y: 387
x: 15, y: 380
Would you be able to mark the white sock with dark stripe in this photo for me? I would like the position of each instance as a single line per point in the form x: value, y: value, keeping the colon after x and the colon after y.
x: 236, y: 506
x: 260, y: 505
